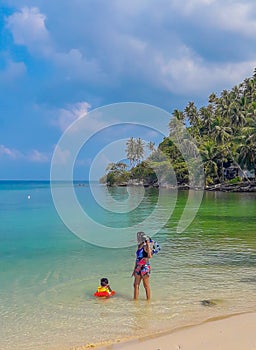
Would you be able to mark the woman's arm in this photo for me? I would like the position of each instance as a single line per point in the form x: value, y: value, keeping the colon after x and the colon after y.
x: 148, y: 249
x: 133, y: 273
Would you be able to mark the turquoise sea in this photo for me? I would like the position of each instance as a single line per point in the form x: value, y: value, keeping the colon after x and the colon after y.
x: 48, y: 275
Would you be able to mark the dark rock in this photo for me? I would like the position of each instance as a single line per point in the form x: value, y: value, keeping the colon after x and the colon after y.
x: 207, y: 302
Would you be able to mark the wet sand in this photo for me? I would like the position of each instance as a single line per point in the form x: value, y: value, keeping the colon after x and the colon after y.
x: 236, y: 332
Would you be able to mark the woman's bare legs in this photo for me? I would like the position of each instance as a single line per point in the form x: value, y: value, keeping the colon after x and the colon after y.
x: 146, y: 286
x: 136, y: 285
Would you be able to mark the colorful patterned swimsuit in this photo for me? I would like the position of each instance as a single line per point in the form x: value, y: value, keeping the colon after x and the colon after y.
x: 142, y: 267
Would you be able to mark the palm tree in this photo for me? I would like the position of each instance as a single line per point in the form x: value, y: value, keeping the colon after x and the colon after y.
x: 207, y: 118
x: 179, y: 115
x: 247, y: 155
x: 131, y: 150
x: 237, y: 117
x: 247, y: 149
x: 191, y: 114
x: 151, y: 146
x: 222, y: 135
x: 212, y: 98
x: 139, y: 150
x: 220, y: 132
x: 209, y: 153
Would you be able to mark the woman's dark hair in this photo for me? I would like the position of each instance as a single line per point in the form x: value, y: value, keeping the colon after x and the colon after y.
x: 104, y: 282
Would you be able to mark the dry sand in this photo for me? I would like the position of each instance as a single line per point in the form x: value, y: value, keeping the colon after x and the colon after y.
x: 236, y: 332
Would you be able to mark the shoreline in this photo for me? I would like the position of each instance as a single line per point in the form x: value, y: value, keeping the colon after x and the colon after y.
x: 240, y: 187
x: 229, y: 332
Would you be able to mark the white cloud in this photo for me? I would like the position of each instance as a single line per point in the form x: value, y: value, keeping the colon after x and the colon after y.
x: 237, y: 17
x: 144, y: 44
x: 33, y: 156
x: 37, y: 157
x: 231, y: 15
x: 190, y: 74
x: 28, y: 29
x: 10, y: 153
x: 70, y: 114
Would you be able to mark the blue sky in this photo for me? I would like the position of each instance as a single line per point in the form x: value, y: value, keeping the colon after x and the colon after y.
x: 61, y: 59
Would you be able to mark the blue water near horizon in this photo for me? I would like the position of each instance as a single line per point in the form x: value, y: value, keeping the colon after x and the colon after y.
x: 48, y: 275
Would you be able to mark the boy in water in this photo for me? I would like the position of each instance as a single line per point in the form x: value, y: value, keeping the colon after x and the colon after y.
x: 104, y: 286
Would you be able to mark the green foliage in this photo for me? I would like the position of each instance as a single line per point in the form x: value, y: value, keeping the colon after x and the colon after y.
x: 116, y: 174
x: 111, y: 179
x: 144, y: 172
x: 235, y: 180
x: 224, y: 132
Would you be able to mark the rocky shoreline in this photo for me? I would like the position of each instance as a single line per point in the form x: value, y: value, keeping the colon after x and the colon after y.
x: 237, y: 187
x: 224, y: 187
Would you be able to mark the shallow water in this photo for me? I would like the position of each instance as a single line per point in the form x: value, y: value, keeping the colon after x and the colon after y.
x: 48, y: 275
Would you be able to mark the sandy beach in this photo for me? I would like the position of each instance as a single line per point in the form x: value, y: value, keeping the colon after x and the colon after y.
x: 237, y: 332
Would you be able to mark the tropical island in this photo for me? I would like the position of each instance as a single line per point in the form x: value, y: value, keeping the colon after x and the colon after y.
x: 224, y: 133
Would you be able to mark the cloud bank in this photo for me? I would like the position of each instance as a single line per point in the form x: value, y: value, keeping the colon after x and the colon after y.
x: 66, y: 57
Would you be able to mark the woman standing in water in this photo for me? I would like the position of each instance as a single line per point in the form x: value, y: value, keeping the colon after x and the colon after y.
x: 142, y: 265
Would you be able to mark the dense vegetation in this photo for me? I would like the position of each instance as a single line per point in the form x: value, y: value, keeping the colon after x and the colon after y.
x: 224, y: 132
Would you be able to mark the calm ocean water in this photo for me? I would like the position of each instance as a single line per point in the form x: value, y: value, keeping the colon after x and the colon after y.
x: 48, y: 275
